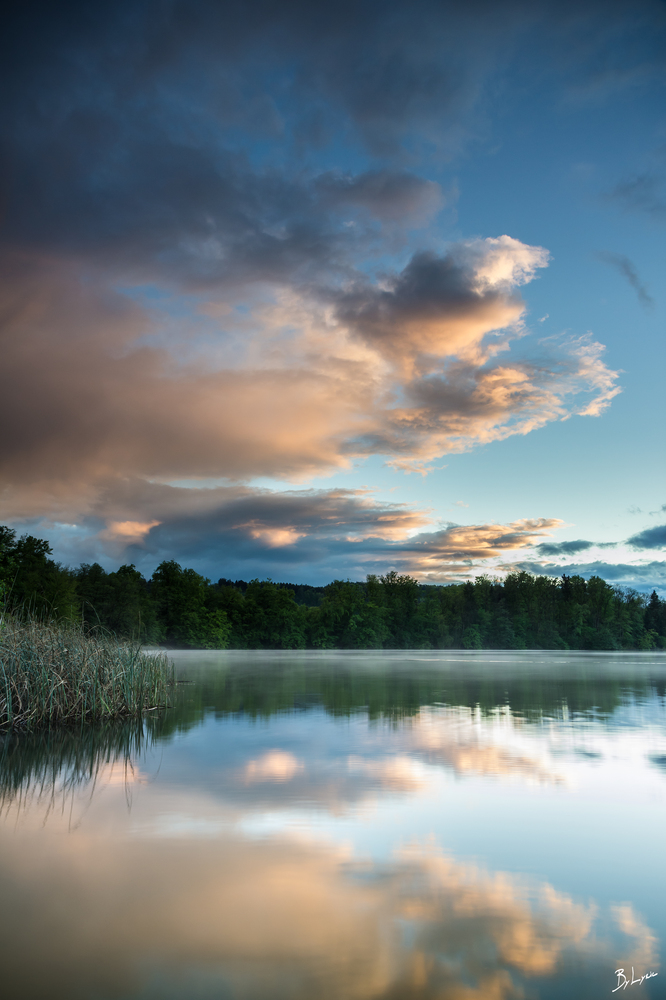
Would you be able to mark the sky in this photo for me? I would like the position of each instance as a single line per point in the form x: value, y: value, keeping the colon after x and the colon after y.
x: 303, y: 291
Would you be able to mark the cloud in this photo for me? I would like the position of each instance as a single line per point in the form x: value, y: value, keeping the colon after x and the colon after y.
x: 151, y: 146
x: 462, y: 548
x: 232, y: 530
x: 444, y: 306
x: 439, y: 324
x: 127, y: 531
x: 469, y: 404
x: 628, y: 271
x: 94, y: 387
x: 241, y: 531
x: 336, y: 534
x: 650, y: 538
x: 388, y: 195
x: 156, y: 146
x: 642, y: 193
x: 87, y: 401
x: 563, y: 548
x: 642, y: 576
x: 190, y: 291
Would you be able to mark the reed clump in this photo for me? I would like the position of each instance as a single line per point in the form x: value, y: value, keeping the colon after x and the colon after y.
x: 59, y: 673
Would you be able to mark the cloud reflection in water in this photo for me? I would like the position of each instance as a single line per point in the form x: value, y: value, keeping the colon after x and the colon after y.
x: 224, y: 857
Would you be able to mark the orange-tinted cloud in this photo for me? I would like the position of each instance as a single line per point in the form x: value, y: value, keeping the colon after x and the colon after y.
x: 239, y: 530
x: 442, y: 307
x: 230, y: 530
x: 91, y: 391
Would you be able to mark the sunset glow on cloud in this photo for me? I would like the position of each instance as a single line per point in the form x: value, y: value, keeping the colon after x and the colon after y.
x: 241, y: 304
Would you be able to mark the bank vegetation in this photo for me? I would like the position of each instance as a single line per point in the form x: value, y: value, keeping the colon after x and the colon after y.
x: 59, y: 672
x: 178, y: 607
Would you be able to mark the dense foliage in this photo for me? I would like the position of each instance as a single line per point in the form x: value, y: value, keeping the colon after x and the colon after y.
x: 179, y: 607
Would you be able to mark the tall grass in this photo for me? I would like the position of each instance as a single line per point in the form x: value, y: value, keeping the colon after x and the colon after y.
x: 56, y: 672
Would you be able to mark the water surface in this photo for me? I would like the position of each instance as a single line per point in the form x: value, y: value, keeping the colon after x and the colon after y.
x: 458, y: 825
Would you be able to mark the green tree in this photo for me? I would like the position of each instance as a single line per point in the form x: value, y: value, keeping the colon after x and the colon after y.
x: 118, y: 601
x: 272, y: 619
x: 472, y: 638
x: 179, y: 596
x: 351, y: 615
x: 655, y: 618
x: 401, y: 600
x: 32, y: 581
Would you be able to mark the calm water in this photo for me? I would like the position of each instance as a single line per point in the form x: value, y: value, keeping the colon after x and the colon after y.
x: 459, y: 826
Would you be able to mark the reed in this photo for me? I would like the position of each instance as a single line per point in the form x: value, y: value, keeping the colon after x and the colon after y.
x: 51, y: 766
x: 57, y: 672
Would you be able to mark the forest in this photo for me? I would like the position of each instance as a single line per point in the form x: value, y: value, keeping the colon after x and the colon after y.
x: 178, y: 607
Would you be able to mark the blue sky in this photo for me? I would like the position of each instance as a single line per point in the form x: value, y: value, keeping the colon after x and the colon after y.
x: 310, y: 293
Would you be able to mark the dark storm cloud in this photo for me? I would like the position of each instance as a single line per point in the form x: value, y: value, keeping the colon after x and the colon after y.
x: 129, y: 134
x: 651, y: 538
x: 628, y: 271
x: 141, y: 132
x: 226, y: 529
x: 328, y: 534
x: 168, y: 211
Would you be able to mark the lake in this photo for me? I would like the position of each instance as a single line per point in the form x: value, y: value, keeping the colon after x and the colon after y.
x: 457, y: 825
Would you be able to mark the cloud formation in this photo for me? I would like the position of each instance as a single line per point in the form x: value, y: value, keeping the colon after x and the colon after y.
x: 642, y: 193
x: 563, y: 548
x: 650, y: 538
x: 218, y: 257
x: 315, y: 535
x: 641, y: 575
x: 388, y: 195
x: 628, y: 271
x: 440, y: 307
x: 92, y: 387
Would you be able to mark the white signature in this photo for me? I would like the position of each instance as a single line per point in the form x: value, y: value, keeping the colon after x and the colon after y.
x: 623, y: 982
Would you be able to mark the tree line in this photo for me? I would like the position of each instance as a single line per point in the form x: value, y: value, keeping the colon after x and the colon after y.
x: 179, y: 607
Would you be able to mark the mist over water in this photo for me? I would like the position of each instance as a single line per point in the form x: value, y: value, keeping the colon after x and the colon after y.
x: 454, y: 825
